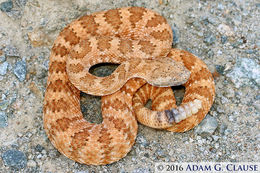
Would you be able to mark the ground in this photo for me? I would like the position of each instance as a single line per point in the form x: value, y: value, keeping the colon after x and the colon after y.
x: 224, y: 34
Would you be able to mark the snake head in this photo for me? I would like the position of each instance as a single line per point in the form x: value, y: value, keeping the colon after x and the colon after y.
x: 167, y: 72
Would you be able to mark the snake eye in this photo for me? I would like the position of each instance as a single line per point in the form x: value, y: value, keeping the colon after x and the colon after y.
x: 103, y: 69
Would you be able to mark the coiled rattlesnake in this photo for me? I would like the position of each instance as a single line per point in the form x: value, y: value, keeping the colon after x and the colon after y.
x: 140, y: 41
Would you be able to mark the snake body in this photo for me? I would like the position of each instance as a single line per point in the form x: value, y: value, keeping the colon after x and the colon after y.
x: 140, y: 41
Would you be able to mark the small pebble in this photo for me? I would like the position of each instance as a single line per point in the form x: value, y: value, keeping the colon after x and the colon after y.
x: 141, y: 170
x: 215, y: 137
x: 222, y: 128
x: 39, y: 148
x: 6, y: 6
x: 209, y: 39
x: 212, y: 20
x: 88, y: 171
x: 220, y: 6
x: 227, y: 132
x: 3, y: 68
x: 223, y: 39
x: 245, y: 72
x: 2, y: 58
x: 142, y: 141
x: 11, y: 51
x: 220, y: 69
x: 20, y: 70
x: 207, y: 127
x: 210, y: 53
x: 15, y: 159
x: 225, y: 30
x: 175, y: 36
x: 31, y: 163
x: 160, y: 153
x: 4, y: 105
x: 21, y: 3
x: 3, y: 120
x: 250, y: 51
x: 20, y: 135
x: 39, y: 156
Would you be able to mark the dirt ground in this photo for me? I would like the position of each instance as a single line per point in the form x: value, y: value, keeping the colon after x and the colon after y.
x: 224, y: 34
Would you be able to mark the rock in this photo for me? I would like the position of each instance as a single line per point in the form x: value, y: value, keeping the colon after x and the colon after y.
x: 82, y: 171
x: 222, y: 128
x: 3, y: 68
x: 142, y: 141
x: 175, y: 35
x: 15, y: 159
x: 207, y: 127
x: 6, y: 6
x: 146, y: 155
x: 212, y: 20
x: 238, y: 43
x: 35, y: 90
x: 215, y: 137
x: 41, y: 73
x: 141, y: 170
x: 20, y: 70
x: 256, y: 104
x: 220, y: 6
x: 223, y: 39
x: 2, y: 58
x: 227, y: 132
x: 225, y: 29
x: 31, y: 163
x: 4, y: 105
x: 250, y: 51
x: 207, y: 20
x: 38, y: 38
x: 21, y: 3
x: 160, y: 153
x: 210, y: 53
x: 245, y: 72
x: 54, y: 154
x: 209, y: 39
x: 11, y: 51
x: 39, y: 148
x: 220, y: 69
x: 3, y: 120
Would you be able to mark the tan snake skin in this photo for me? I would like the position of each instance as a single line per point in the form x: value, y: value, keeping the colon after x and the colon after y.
x: 139, y: 40
x: 198, y: 98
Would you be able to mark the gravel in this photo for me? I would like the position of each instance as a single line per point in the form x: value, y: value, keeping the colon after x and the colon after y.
x: 20, y: 70
x: 4, y: 104
x: 209, y: 38
x: 245, y: 72
x: 3, y: 68
x: 14, y: 159
x: 6, y: 6
x: 207, y: 127
x: 11, y: 51
x: 175, y: 32
x: 2, y: 58
x: 224, y: 34
x: 3, y: 120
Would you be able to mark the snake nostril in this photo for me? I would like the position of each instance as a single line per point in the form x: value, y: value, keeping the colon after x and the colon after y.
x: 103, y: 69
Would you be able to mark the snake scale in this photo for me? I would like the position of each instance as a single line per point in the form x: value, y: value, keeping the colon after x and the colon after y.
x: 140, y: 41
